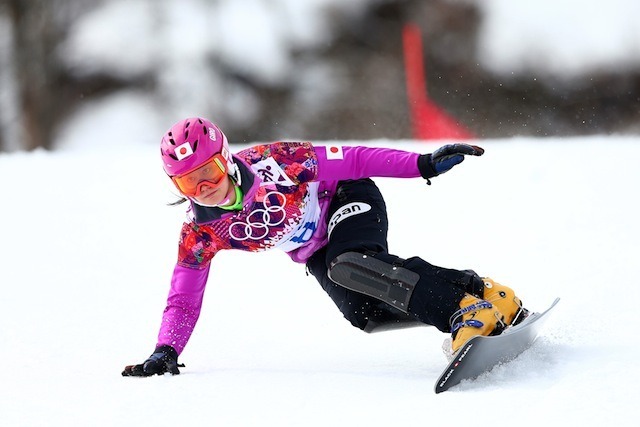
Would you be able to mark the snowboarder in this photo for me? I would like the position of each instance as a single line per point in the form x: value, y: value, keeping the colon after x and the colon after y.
x: 319, y: 205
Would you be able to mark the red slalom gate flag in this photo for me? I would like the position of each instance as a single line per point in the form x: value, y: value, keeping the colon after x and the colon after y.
x: 429, y: 121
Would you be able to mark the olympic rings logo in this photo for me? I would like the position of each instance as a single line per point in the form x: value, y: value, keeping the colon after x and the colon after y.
x: 257, y: 224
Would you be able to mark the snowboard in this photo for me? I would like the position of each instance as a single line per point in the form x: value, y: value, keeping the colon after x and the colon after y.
x: 480, y: 354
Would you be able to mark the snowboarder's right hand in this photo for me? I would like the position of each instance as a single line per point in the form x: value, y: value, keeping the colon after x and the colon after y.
x: 164, y: 359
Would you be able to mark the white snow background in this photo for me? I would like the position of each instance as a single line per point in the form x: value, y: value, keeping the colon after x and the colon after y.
x: 88, y: 246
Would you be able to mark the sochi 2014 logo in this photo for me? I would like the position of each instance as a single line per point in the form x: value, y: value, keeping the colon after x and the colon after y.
x: 258, y: 223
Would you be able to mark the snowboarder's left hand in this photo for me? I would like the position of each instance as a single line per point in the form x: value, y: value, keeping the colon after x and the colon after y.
x: 444, y: 158
x: 164, y: 359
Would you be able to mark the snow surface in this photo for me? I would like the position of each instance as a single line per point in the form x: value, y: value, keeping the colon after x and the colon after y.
x: 88, y: 246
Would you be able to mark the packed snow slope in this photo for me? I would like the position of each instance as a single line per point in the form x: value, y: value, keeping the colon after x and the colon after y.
x: 88, y: 245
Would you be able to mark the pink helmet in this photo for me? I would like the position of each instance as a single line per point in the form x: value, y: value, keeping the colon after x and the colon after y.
x: 191, y: 142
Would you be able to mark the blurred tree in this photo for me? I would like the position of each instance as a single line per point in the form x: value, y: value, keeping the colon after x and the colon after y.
x: 45, y: 90
x: 369, y: 100
x: 34, y: 39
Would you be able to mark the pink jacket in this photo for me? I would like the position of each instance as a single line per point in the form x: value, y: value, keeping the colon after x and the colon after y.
x: 287, y: 189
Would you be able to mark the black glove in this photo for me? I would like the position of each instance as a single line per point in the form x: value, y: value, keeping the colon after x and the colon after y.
x: 164, y: 359
x: 444, y: 158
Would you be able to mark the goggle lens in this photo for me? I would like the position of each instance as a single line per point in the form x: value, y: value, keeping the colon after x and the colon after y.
x: 212, y: 173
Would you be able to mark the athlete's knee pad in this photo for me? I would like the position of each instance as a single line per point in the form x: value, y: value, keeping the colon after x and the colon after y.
x: 380, y: 276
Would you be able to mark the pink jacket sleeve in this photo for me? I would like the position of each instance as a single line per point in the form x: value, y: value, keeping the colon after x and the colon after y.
x: 183, y: 306
x: 337, y: 163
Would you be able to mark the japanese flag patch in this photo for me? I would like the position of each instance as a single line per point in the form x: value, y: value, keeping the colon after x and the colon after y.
x: 334, y: 152
x: 183, y: 150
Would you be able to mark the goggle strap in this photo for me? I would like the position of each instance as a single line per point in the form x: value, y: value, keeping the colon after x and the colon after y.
x: 218, y: 163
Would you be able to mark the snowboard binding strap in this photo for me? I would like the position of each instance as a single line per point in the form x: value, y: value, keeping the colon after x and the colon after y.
x: 480, y: 305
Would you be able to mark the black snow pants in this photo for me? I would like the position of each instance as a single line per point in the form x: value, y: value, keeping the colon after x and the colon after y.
x: 358, y: 223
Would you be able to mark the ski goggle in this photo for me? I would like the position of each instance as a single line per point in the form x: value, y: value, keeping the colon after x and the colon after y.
x: 211, y: 173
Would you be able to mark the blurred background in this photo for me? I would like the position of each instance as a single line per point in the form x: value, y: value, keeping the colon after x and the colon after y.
x: 85, y: 72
